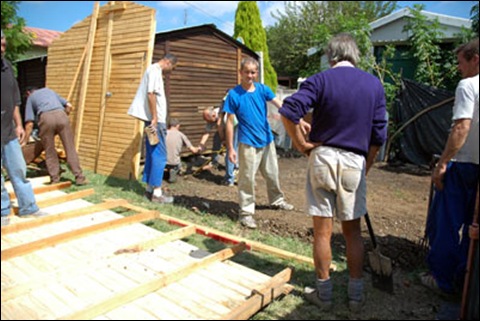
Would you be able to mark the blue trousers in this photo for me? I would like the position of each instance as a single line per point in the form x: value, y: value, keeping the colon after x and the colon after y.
x: 451, y: 214
x: 14, y: 163
x: 156, y: 158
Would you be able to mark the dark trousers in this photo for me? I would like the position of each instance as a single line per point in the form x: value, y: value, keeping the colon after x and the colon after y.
x: 53, y: 123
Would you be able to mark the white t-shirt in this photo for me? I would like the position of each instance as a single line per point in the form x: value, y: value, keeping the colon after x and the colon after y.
x: 152, y: 82
x: 466, y: 107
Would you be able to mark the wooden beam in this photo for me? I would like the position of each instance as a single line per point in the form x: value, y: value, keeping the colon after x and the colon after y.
x: 107, y: 61
x: 112, y: 7
x: 86, y: 74
x: 76, y: 234
x: 62, y: 199
x: 44, y: 189
x: 262, y: 297
x: 147, y: 288
x: 26, y: 225
x: 233, y: 239
x: 165, y: 238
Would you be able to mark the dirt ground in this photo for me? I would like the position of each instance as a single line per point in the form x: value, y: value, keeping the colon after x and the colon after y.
x: 397, y: 202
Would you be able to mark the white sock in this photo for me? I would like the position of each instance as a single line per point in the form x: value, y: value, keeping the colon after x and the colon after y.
x: 157, y: 192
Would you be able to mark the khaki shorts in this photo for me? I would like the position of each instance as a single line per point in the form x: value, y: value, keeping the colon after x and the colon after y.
x: 336, y: 184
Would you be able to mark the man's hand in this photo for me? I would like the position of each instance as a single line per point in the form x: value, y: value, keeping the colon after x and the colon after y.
x: 438, y: 175
x: 20, y: 132
x: 68, y: 109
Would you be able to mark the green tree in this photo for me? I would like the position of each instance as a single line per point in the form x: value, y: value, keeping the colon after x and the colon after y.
x: 310, y: 25
x: 12, y: 25
x: 474, y: 18
x: 248, y: 26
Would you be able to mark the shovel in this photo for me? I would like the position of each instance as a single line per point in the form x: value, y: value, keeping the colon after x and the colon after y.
x: 381, y: 265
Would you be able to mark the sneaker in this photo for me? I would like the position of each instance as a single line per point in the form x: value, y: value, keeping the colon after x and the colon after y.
x: 164, y: 199
x: 248, y: 221
x: 5, y: 220
x: 311, y: 295
x: 429, y: 282
x: 227, y: 183
x: 38, y: 213
x: 282, y: 205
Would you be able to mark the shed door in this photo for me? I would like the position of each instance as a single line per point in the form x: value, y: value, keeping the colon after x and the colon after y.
x: 120, y: 136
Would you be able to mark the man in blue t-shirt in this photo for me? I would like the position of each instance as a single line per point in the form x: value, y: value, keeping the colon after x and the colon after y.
x: 256, y: 150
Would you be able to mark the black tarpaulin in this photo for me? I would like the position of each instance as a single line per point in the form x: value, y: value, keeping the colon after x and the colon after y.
x: 427, y: 135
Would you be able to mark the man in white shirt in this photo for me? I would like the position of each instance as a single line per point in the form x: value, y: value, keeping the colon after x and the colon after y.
x: 456, y: 179
x: 150, y: 106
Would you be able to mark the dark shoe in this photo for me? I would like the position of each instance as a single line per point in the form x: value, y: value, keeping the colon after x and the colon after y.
x: 148, y: 195
x: 54, y: 181
x: 5, y: 220
x: 81, y: 181
x: 37, y: 214
x: 164, y: 199
x: 311, y: 295
x: 356, y: 306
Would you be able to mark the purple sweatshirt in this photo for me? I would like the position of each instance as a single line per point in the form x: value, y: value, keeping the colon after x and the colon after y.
x: 348, y: 109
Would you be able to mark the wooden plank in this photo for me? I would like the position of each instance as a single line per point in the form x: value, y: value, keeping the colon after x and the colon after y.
x: 107, y: 61
x: 44, y: 189
x: 22, y: 226
x: 262, y: 297
x: 144, y: 289
x: 165, y: 238
x: 86, y: 74
x: 64, y: 237
x: 62, y: 199
x: 232, y: 239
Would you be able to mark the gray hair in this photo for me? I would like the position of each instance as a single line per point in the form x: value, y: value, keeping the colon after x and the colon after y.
x: 247, y: 61
x: 343, y: 47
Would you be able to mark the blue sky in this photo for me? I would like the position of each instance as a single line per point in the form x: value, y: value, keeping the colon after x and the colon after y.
x: 62, y: 15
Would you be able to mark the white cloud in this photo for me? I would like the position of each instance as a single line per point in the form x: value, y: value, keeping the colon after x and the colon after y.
x: 269, y: 7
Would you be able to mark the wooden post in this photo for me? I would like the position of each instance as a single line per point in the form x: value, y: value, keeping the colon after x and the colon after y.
x: 107, y: 64
x: 86, y: 75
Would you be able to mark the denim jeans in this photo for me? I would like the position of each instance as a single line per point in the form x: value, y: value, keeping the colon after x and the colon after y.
x: 14, y: 163
x: 156, y: 158
x: 230, y: 167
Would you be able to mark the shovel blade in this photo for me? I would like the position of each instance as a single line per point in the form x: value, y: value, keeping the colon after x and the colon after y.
x: 382, y: 277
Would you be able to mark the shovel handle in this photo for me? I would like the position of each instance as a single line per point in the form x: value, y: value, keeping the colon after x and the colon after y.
x: 370, y: 230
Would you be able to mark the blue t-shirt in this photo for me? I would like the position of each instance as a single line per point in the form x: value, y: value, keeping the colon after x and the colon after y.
x: 251, y: 111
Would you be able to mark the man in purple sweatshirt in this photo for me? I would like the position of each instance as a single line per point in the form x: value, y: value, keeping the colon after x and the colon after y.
x: 348, y: 128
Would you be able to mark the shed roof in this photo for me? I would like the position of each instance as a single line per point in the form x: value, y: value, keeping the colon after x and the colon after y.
x: 390, y: 29
x: 405, y: 12
x: 206, y: 28
x: 43, y: 37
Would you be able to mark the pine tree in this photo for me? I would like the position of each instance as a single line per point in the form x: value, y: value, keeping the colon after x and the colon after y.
x: 248, y: 26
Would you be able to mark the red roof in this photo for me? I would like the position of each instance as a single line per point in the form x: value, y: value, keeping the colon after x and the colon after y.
x: 42, y: 37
